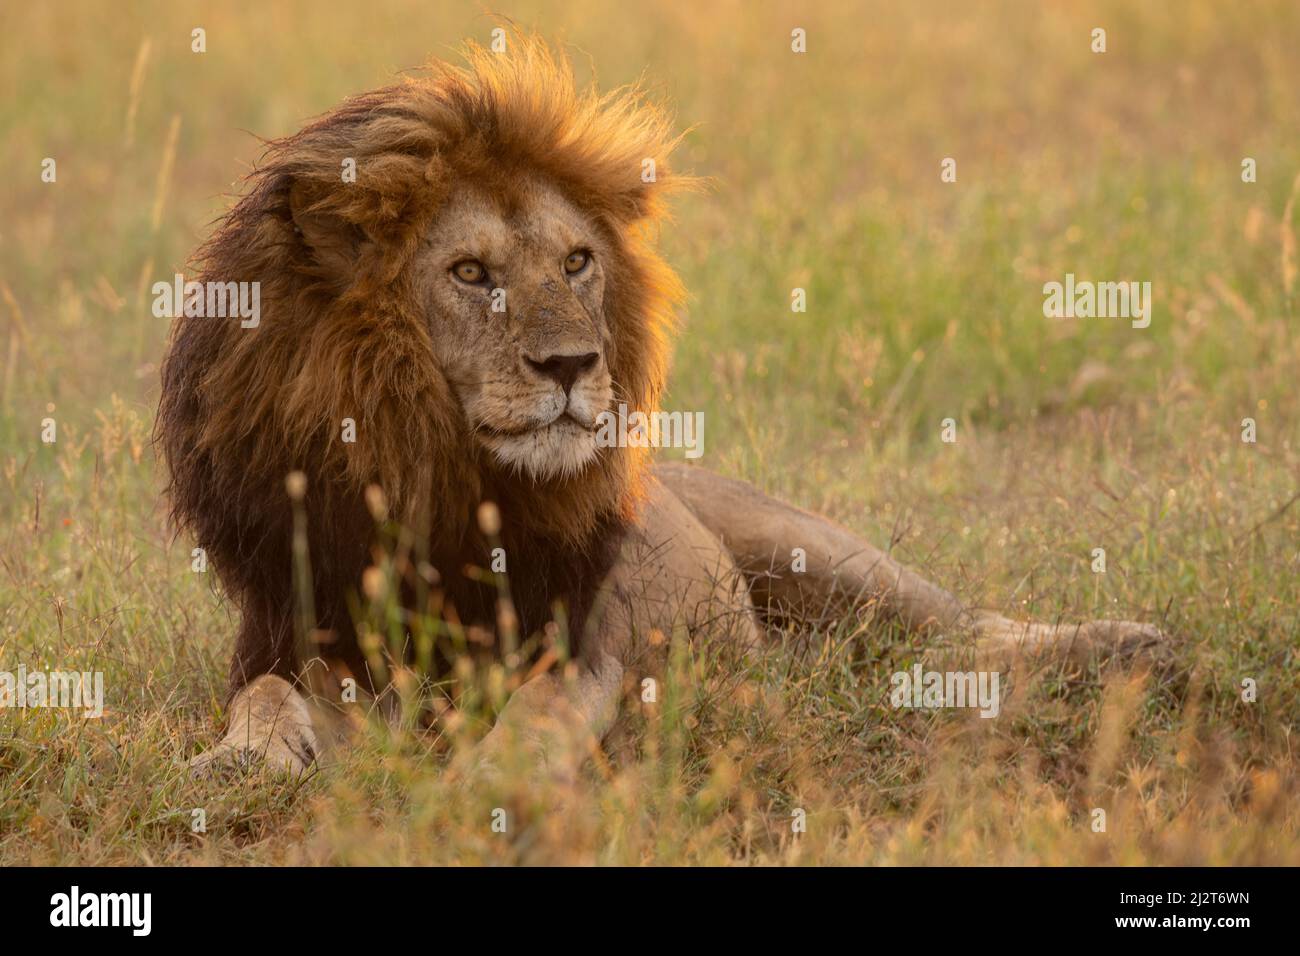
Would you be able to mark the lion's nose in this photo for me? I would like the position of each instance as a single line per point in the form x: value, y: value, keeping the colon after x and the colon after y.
x: 564, y: 369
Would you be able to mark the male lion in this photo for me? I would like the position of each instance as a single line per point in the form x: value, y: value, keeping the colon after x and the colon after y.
x: 383, y: 312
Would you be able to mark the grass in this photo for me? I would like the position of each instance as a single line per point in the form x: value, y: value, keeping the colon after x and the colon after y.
x: 924, y: 303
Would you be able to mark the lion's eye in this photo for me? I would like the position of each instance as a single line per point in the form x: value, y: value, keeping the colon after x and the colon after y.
x: 471, y: 271
x: 577, y: 261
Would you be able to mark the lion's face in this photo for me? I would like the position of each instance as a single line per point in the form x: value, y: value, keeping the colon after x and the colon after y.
x: 378, y: 294
x: 514, y: 288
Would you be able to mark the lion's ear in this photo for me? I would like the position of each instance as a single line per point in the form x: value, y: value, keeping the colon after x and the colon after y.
x: 334, y: 242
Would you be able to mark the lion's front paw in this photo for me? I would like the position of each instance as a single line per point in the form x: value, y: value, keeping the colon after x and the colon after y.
x: 270, y: 724
x: 283, y: 753
x: 537, y: 762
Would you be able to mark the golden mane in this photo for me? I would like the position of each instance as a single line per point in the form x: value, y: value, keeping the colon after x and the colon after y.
x: 341, y: 335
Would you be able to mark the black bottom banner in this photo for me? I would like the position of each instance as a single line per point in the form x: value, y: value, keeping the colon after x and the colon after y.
x: 345, y: 905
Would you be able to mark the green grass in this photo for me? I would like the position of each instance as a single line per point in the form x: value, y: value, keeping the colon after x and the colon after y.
x: 924, y: 304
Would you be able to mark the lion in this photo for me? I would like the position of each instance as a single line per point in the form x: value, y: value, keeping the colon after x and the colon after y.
x: 461, y: 269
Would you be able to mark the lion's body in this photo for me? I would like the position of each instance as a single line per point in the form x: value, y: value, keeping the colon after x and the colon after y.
x: 439, y: 333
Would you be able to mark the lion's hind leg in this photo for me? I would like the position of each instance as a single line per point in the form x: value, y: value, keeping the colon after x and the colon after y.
x: 803, y: 566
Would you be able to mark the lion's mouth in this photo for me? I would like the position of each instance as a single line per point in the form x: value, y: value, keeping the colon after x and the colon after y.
x: 561, y: 447
x: 563, y: 420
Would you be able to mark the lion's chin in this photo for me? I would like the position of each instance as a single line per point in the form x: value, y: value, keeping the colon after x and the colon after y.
x: 561, y: 449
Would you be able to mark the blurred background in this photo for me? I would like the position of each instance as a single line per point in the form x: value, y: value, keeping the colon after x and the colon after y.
x: 924, y: 303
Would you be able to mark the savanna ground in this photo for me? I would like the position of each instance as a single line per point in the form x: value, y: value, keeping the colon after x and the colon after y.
x: 924, y: 303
